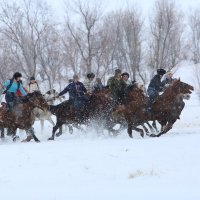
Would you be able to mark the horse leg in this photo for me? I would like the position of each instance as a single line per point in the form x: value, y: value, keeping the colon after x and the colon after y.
x: 149, y: 125
x: 145, y: 128
x: 13, y: 132
x: 55, y: 128
x: 139, y: 130
x: 60, y: 131
x: 42, y: 125
x: 154, y: 126
x: 167, y: 128
x: 130, y: 127
x: 51, y: 121
x: 2, y: 132
x: 31, y: 135
x: 70, y: 129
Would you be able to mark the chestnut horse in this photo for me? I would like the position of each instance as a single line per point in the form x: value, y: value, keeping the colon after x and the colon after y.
x: 163, y: 108
x: 98, y: 108
x: 22, y: 116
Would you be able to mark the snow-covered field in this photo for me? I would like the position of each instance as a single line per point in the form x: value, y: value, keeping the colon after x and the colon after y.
x: 88, y: 166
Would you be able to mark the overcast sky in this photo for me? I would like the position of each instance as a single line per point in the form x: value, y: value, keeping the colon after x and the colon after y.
x: 146, y: 5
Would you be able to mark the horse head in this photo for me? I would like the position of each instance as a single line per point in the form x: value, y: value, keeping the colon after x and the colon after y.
x: 182, y: 88
x: 37, y: 99
x: 51, y: 96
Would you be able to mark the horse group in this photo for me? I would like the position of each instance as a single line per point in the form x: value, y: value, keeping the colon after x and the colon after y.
x: 130, y: 114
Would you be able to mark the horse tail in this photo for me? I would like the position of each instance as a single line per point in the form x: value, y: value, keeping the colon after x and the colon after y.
x: 53, y: 109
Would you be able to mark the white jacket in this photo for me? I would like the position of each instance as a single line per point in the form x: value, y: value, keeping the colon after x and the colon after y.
x: 89, y: 85
x: 32, y: 87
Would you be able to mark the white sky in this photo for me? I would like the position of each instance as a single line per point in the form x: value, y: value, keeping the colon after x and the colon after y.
x: 146, y: 5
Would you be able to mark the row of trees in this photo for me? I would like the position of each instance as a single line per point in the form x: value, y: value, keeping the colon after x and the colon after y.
x: 33, y: 42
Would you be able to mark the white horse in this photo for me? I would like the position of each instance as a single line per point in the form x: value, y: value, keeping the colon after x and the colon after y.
x: 41, y: 115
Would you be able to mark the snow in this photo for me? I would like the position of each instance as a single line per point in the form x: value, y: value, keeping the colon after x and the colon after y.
x: 87, y: 166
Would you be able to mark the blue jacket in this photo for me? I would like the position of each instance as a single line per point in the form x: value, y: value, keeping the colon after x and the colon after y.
x: 14, y: 87
x: 75, y: 90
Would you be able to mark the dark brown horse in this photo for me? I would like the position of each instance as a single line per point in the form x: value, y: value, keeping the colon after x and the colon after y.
x: 163, y: 108
x: 22, y: 116
x: 97, y: 108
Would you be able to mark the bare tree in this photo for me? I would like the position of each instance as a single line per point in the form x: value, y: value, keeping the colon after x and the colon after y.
x: 6, y: 61
x: 194, y: 24
x: 71, y: 53
x: 50, y: 57
x: 23, y: 24
x: 84, y: 30
x: 166, y: 29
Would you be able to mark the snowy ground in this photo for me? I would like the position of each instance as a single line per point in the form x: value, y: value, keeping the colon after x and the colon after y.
x: 85, y: 166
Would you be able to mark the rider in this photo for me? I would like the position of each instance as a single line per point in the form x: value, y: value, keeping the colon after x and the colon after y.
x: 33, y: 85
x: 12, y: 86
x: 125, y: 77
x: 77, y: 91
x: 154, y: 88
x: 89, y: 83
x: 117, y: 86
x: 98, y: 85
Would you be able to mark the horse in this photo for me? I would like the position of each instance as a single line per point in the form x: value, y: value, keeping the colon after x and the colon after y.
x: 22, y: 116
x: 41, y: 115
x: 162, y: 109
x: 98, y: 108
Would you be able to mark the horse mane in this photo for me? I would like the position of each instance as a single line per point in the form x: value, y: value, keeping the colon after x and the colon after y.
x: 35, y: 93
x: 50, y: 91
x: 171, y: 89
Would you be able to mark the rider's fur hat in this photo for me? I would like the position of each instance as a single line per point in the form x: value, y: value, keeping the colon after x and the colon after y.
x: 118, y: 71
x: 91, y: 75
x: 161, y: 72
x: 32, y: 78
x: 125, y: 74
x: 17, y: 75
x: 75, y: 77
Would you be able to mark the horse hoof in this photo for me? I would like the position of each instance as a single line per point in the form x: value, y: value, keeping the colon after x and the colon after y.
x: 16, y: 138
x: 70, y: 130
x: 130, y: 136
x: 28, y: 139
x: 142, y: 134
x: 153, y: 135
x: 58, y: 134
x: 51, y: 138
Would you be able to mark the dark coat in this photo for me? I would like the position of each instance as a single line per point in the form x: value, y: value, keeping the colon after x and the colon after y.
x: 75, y: 90
x: 156, y: 83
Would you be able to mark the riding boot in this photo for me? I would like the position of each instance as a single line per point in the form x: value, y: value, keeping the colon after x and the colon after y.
x: 10, y: 106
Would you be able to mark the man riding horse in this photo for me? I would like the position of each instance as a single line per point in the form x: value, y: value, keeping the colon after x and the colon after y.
x: 154, y: 88
x: 77, y: 93
x: 117, y: 86
x: 12, y: 86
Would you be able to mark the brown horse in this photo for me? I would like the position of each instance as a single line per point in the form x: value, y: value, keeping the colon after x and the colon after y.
x: 97, y: 108
x: 162, y: 109
x: 22, y: 116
